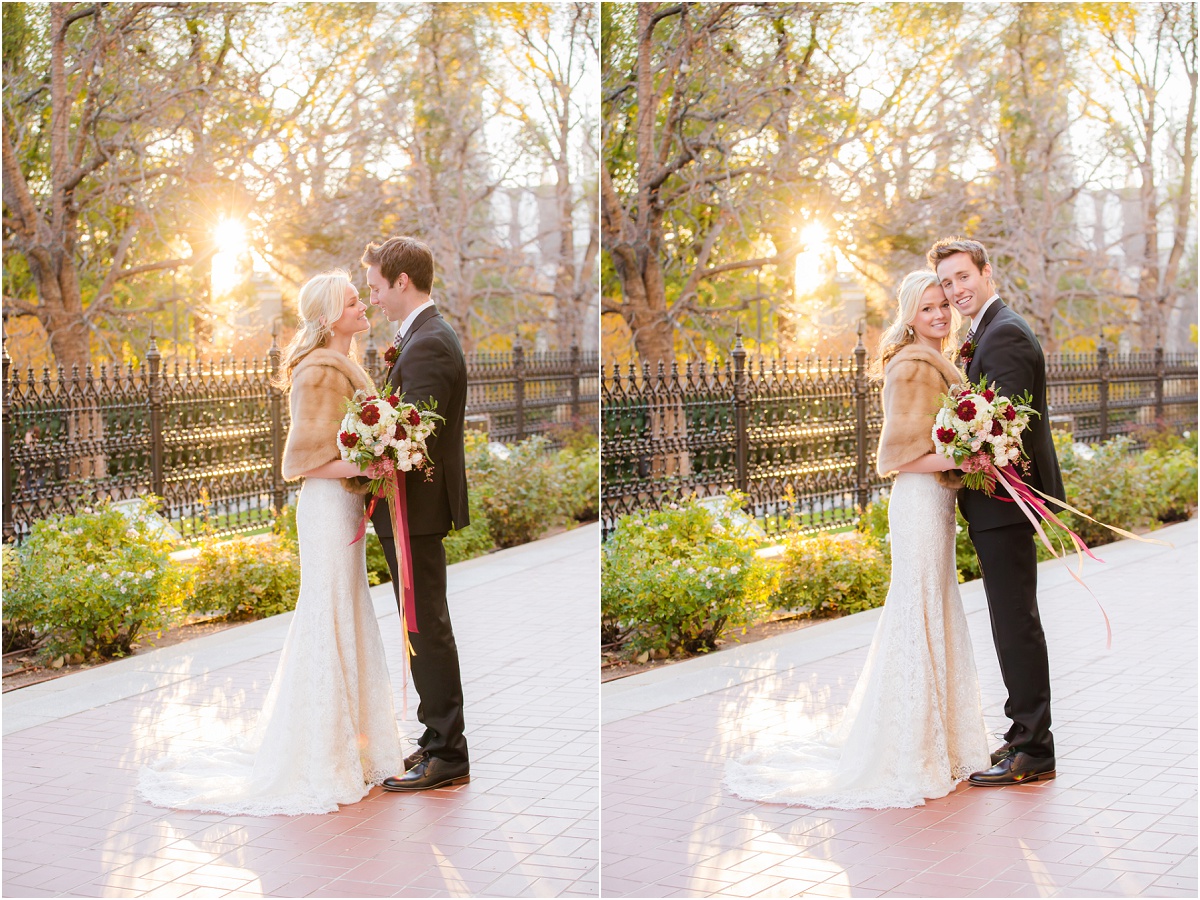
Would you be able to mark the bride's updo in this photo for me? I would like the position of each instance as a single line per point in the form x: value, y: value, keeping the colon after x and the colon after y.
x: 321, y: 302
x: 899, y: 333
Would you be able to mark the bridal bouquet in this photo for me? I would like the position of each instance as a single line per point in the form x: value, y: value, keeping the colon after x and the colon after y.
x: 981, y: 431
x: 387, y: 435
x: 388, y: 432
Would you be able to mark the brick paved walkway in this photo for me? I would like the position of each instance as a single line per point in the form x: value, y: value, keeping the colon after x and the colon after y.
x: 526, y: 824
x: 1119, y: 820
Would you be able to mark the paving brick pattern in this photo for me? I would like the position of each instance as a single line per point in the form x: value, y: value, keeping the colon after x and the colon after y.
x: 526, y: 824
x: 1119, y: 820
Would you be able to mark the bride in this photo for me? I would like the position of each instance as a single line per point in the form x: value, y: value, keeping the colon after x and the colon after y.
x: 327, y: 731
x: 913, y: 727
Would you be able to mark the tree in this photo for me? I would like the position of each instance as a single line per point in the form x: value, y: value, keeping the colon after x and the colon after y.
x: 112, y: 125
x: 554, y: 57
x: 716, y: 120
x: 1138, y: 51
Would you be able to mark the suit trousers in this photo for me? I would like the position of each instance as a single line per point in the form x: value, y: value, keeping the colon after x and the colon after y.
x: 435, y: 668
x: 1008, y: 558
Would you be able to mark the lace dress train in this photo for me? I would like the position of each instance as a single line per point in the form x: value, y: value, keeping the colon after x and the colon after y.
x: 327, y: 731
x: 913, y: 727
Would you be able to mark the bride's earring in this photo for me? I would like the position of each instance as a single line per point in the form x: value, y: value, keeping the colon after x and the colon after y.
x: 908, y: 330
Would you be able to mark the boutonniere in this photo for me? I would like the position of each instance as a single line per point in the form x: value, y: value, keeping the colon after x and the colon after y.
x: 967, y: 352
x: 390, y: 354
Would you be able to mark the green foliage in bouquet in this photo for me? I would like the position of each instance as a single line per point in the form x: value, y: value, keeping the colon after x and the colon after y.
x: 826, y: 574
x: 246, y: 579
x: 674, y: 580
x: 92, y: 583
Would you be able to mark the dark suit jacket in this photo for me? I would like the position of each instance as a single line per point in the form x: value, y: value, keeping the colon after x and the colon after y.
x: 1008, y: 353
x: 431, y: 365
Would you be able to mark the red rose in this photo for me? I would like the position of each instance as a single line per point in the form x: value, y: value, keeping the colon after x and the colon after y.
x: 369, y: 415
x: 1010, y: 413
x: 348, y: 438
x: 989, y: 395
x: 414, y: 417
x: 394, y: 400
x: 997, y: 428
x: 966, y: 410
x: 946, y: 435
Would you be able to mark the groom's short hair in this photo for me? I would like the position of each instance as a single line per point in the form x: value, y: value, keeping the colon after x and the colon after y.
x: 399, y: 255
x: 949, y: 246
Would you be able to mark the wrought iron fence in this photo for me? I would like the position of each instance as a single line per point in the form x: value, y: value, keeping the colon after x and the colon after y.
x: 798, y: 437
x: 208, y: 438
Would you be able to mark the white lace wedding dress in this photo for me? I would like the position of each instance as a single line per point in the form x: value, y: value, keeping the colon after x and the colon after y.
x: 913, y: 727
x: 327, y: 731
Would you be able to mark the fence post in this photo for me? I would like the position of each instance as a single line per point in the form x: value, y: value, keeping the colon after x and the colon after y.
x: 575, y: 375
x: 275, y: 401
x: 9, y: 471
x: 1160, y: 375
x: 860, y: 419
x: 519, y: 387
x: 370, y: 356
x: 154, y: 363
x: 740, y: 414
x: 1102, y: 365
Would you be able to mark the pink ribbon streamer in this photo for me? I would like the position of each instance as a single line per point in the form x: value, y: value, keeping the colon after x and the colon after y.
x: 1025, y: 499
x: 1030, y: 500
x: 397, y: 502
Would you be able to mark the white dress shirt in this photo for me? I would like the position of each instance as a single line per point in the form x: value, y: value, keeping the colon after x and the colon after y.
x: 978, y: 317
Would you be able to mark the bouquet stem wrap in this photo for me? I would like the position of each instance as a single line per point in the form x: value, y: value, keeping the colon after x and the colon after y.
x: 1033, y: 503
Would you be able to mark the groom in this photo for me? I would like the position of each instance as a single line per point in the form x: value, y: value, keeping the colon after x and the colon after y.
x: 429, y: 364
x: 1001, y: 346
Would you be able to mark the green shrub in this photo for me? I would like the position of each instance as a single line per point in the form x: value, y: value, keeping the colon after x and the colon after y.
x: 91, y: 583
x: 475, y: 539
x: 578, y: 473
x: 674, y: 580
x: 576, y: 435
x: 1108, y: 483
x: 246, y: 579
x: 19, y: 634
x: 519, y: 494
x: 1169, y: 474
x: 831, y: 574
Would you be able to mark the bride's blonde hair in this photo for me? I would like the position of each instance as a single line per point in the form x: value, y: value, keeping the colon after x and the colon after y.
x: 899, y: 333
x: 321, y: 302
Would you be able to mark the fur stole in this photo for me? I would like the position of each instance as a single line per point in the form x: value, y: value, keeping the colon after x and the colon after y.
x: 913, y: 381
x: 320, y: 382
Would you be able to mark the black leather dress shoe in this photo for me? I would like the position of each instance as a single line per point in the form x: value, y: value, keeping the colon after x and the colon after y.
x: 429, y: 773
x: 1005, y: 749
x: 1016, y: 768
x: 413, y: 758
